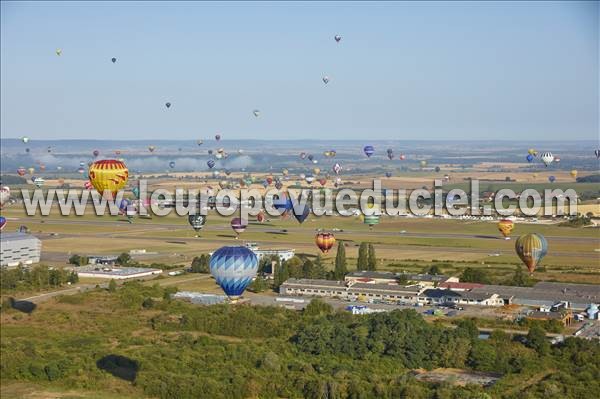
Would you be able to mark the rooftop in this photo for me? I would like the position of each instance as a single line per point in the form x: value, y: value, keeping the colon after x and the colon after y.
x: 17, y: 237
x: 116, y: 271
x: 394, y: 276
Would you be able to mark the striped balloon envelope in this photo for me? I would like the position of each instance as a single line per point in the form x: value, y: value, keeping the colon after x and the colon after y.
x: 233, y: 268
x: 324, y: 241
x: 531, y: 248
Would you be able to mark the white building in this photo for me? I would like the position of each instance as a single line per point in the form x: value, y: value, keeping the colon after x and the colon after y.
x: 19, y: 248
x: 117, y: 273
x: 283, y: 254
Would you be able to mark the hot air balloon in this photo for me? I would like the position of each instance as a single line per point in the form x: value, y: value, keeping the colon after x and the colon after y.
x: 210, y: 163
x: 324, y: 241
x: 531, y: 248
x: 260, y: 217
x: 96, y: 153
x: 39, y: 182
x: 557, y: 159
x: 113, y: 59
x: 49, y: 149
x: 597, y: 153
x: 108, y: 176
x: 337, y: 168
x: 530, y: 158
x: 197, y: 222
x: 172, y: 164
x: 337, y: 38
x: 269, y: 180
x: 2, y: 222
x: 369, y: 150
x: 42, y: 167
x: 21, y: 171
x: 533, y: 152
x: 27, y: 150
x: 25, y: 139
x: 151, y: 148
x: 310, y: 157
x: 388, y: 174
x: 506, y: 227
x: 31, y: 170
x: 402, y: 157
x: 58, y: 51
x: 168, y: 105
x: 302, y: 155
x: 371, y: 220
x: 218, y: 137
x: 233, y: 268
x: 239, y: 226
x: 256, y: 113
x: 326, y: 79
x: 199, y: 142
x: 390, y: 153
x: 551, y: 179
x: 123, y: 206
x: 136, y: 192
x: 547, y: 158
x: 422, y: 163
x: 285, y: 172
x: 322, y: 181
x: 316, y: 171
x: 87, y: 185
x: 4, y: 195
x: 117, y: 152
x: 437, y: 169
x: 574, y: 174
x: 301, y: 216
x: 309, y: 179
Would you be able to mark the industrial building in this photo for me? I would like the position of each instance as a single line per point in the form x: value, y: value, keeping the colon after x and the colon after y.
x: 373, y: 277
x: 373, y: 288
x: 117, y: 273
x: 372, y: 292
x: 19, y: 249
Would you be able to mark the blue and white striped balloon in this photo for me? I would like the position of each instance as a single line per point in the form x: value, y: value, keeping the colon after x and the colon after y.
x: 233, y: 268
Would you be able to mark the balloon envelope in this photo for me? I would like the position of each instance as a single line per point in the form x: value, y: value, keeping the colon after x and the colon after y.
x: 108, y: 175
x: 233, y: 268
x: 506, y: 227
x: 324, y: 241
x: 531, y: 248
x: 368, y: 150
x: 197, y: 221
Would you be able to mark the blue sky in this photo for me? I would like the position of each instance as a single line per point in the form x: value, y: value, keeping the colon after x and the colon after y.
x: 402, y: 70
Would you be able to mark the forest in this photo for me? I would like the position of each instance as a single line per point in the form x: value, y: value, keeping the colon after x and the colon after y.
x: 136, y: 341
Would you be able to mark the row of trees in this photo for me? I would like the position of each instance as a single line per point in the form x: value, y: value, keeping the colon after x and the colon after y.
x: 35, y: 278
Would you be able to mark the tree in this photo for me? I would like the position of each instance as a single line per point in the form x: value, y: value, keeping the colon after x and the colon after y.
x: 148, y: 303
x: 200, y: 264
x: 258, y: 285
x: 363, y: 257
x: 471, y: 275
x: 308, y: 269
x: 112, y: 285
x: 294, y: 267
x: 433, y: 270
x: 519, y: 279
x: 319, y: 269
x: 317, y: 307
x: 372, y: 261
x: 123, y: 259
x: 73, y: 278
x: 536, y: 339
x: 340, y: 268
x: 78, y: 260
x: 281, y: 274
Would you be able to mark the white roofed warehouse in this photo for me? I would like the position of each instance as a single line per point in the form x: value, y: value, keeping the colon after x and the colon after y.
x: 19, y: 249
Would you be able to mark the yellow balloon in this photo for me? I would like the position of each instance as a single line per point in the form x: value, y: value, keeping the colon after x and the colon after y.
x: 574, y: 174
x: 506, y: 227
x: 316, y: 171
x: 108, y: 175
